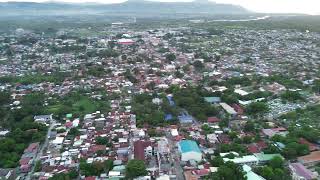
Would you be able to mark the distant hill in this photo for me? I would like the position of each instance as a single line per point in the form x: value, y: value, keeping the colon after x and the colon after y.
x: 139, y: 7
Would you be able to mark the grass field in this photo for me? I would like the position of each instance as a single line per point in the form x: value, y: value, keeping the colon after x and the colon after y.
x: 84, y: 105
x: 78, y: 106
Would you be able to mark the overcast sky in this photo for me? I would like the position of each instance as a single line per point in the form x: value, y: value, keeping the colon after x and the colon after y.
x: 272, y: 6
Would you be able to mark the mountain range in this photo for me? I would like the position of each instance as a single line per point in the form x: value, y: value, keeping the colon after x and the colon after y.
x: 133, y: 7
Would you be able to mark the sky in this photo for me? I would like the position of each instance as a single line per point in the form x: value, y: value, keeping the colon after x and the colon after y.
x: 264, y: 6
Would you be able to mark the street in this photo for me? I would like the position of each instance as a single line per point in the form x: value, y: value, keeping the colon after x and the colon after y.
x: 40, y: 152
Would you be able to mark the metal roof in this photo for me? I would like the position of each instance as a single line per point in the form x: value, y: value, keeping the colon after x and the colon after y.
x: 189, y: 146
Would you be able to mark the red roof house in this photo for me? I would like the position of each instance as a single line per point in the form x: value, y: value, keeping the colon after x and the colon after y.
x: 139, y: 147
x: 213, y: 120
x: 312, y: 147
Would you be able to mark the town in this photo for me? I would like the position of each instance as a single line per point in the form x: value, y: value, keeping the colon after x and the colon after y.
x: 189, y: 101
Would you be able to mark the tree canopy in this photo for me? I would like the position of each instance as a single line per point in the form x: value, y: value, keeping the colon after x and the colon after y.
x: 135, y: 168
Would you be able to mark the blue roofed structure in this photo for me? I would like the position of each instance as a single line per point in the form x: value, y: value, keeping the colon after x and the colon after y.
x: 188, y: 146
x: 212, y: 100
x: 168, y: 117
x: 184, y: 118
x: 190, y: 151
x: 170, y: 99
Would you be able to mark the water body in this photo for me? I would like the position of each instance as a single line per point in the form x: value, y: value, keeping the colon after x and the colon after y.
x: 241, y: 20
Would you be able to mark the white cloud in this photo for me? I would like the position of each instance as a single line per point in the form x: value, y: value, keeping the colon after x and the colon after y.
x: 278, y: 6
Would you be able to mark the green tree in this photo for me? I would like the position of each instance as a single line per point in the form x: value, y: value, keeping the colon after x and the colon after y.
x: 257, y: 108
x: 4, y: 98
x: 249, y: 126
x: 291, y: 96
x: 74, y: 132
x: 198, y: 65
x: 101, y: 140
x: 38, y: 166
x: 108, y: 165
x: 135, y: 168
x: 276, y: 162
x: 217, y: 161
x: 170, y: 57
x: 229, y: 171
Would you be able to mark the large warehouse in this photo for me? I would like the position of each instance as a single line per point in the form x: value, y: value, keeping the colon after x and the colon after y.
x: 189, y: 151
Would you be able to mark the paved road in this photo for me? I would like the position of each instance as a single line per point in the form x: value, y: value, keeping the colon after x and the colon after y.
x: 43, y: 146
x: 174, y: 157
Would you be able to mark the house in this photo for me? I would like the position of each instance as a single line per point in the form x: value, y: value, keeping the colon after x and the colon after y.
x: 300, y: 172
x: 189, y: 176
x: 7, y: 174
x: 189, y: 151
x: 141, y: 149
x: 312, y: 147
x: 163, y: 177
x: 275, y: 88
x: 271, y: 132
x: 228, y: 109
x: 185, y: 118
x: 4, y: 133
x: 213, y: 120
x: 250, y: 174
x: 25, y: 164
x: 257, y: 147
x: 170, y: 99
x: 238, y: 109
x: 25, y: 161
x: 58, y: 141
x: 201, y: 172
x: 168, y: 117
x: 25, y: 168
x: 95, y: 148
x: 252, y: 148
x: 224, y: 139
x: 264, y: 158
x: 90, y: 178
x: 212, y: 138
x: 311, y: 159
x: 212, y: 100
x: 43, y: 118
x: 252, y: 160
x: 248, y: 160
x: 124, y: 41
x: 241, y: 92
x: 32, y: 148
x: 174, y: 132
x: 163, y: 146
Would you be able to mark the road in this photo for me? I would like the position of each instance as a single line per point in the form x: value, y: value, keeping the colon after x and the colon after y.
x: 40, y: 152
x: 174, y: 157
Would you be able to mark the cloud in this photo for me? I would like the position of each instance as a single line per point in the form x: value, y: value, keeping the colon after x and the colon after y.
x: 278, y: 6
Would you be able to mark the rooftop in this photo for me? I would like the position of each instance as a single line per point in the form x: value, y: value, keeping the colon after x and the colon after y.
x: 266, y: 157
x: 312, y: 157
x: 302, y: 171
x: 188, y: 146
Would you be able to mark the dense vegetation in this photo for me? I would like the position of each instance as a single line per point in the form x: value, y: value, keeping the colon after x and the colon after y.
x: 228, y: 170
x: 95, y: 168
x: 23, y: 129
x: 191, y: 99
x: 135, y: 168
x: 274, y: 170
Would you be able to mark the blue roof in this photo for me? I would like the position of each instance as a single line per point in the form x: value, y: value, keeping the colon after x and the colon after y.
x: 184, y: 117
x: 212, y: 99
x: 168, y: 117
x: 188, y: 146
x: 170, y: 99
